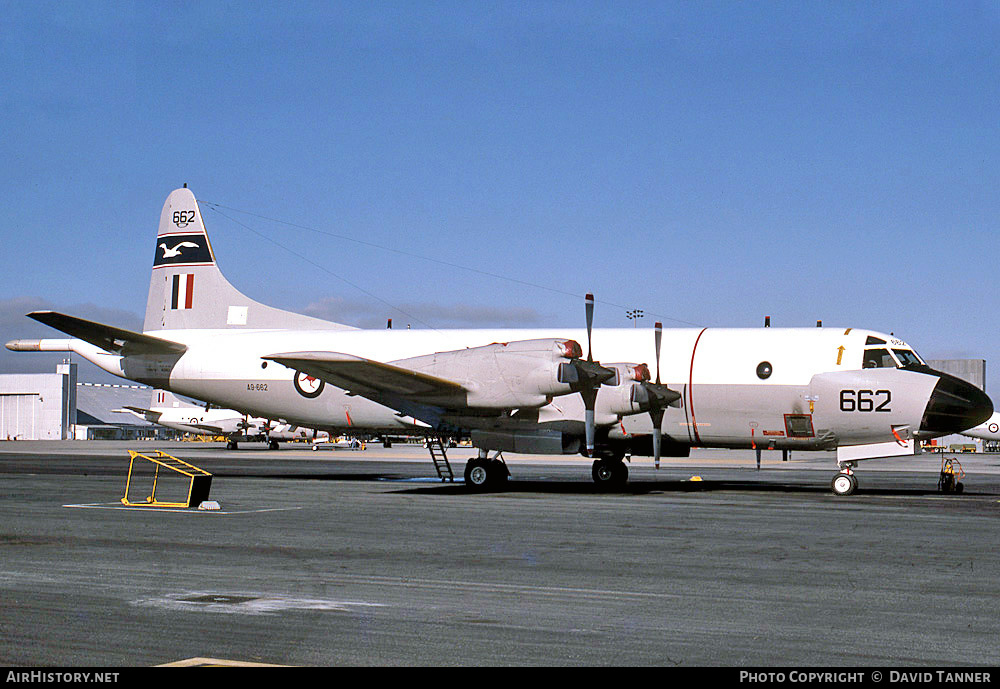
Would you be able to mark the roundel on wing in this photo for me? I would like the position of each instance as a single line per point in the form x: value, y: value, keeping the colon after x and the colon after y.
x: 307, y: 385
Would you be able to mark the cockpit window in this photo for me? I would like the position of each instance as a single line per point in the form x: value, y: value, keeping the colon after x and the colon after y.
x: 906, y: 357
x: 879, y: 358
x: 874, y: 341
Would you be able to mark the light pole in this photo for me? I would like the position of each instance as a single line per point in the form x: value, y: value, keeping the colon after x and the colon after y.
x: 634, y: 315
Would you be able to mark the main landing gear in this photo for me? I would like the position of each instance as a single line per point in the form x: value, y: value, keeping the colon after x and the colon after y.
x: 610, y: 472
x: 483, y: 473
x: 845, y: 482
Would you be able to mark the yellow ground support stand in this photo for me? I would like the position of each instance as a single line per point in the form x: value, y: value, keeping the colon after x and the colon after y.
x: 950, y: 479
x: 198, y: 489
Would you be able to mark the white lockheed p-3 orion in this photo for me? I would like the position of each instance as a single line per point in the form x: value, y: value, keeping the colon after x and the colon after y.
x: 863, y: 393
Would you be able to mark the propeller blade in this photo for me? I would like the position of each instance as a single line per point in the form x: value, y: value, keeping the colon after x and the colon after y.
x: 590, y: 324
x: 658, y: 338
x: 590, y: 376
x: 591, y: 431
x: 657, y: 416
x: 660, y: 396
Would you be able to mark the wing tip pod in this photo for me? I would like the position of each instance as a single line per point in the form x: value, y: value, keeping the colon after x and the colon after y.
x: 24, y: 345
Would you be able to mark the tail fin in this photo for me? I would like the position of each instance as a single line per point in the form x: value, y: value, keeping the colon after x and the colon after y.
x: 188, y: 290
x: 163, y: 398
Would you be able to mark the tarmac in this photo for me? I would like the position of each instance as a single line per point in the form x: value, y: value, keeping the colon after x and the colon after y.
x: 366, y: 558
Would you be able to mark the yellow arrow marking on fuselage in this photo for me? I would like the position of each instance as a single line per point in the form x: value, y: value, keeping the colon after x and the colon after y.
x: 840, y: 354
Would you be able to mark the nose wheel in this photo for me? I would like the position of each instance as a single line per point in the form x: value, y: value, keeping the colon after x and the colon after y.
x: 844, y: 483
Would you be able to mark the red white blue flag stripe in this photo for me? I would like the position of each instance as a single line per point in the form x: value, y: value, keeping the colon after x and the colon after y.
x: 182, y: 293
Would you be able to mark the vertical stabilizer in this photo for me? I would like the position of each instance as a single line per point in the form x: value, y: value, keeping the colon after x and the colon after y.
x: 188, y: 290
x: 163, y: 399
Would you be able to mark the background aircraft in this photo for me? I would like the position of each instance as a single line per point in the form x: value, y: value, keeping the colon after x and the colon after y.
x: 863, y: 393
x: 167, y: 409
x: 987, y: 430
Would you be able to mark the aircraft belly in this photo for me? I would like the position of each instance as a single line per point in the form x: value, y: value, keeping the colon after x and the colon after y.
x: 281, y: 399
x: 743, y: 416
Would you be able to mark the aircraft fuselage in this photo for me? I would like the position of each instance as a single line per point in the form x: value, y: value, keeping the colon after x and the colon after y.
x: 764, y: 387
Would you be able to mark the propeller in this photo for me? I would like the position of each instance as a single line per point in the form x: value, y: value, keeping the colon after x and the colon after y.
x: 658, y: 397
x: 586, y: 377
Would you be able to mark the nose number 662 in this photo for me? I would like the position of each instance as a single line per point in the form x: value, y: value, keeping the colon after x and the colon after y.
x: 865, y: 400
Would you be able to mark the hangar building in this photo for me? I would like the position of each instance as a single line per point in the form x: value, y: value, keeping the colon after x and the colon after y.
x: 38, y: 406
x: 55, y: 406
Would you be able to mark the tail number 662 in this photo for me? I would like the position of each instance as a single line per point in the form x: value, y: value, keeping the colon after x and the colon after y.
x: 865, y: 400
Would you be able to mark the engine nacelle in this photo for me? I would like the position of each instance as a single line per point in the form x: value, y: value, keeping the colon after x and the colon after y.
x: 624, y: 395
x: 503, y: 375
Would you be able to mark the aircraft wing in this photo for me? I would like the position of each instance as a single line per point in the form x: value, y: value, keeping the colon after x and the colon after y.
x: 369, y: 378
x: 107, y: 337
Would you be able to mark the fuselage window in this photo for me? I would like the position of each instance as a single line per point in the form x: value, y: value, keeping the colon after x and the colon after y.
x: 879, y: 358
x: 906, y: 357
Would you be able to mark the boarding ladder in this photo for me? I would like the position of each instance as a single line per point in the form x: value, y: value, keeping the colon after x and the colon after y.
x: 440, y: 459
x: 198, y: 488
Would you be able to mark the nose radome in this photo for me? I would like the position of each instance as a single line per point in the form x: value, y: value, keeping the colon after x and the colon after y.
x: 955, y: 406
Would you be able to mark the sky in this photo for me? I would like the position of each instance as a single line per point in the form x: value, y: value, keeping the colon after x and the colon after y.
x: 473, y: 164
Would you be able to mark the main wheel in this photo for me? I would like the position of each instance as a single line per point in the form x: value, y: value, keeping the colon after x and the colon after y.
x: 477, y: 474
x: 844, y: 484
x: 609, y: 473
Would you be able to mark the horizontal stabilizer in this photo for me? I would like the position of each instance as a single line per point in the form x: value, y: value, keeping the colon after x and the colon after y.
x: 360, y: 376
x: 139, y: 412
x: 107, y: 337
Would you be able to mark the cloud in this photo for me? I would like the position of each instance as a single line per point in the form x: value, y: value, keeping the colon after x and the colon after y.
x: 14, y: 324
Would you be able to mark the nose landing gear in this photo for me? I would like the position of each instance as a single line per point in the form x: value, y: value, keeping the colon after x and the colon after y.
x: 845, y: 482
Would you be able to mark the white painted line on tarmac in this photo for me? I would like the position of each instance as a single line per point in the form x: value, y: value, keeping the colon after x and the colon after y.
x: 176, y: 510
x: 424, y: 479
